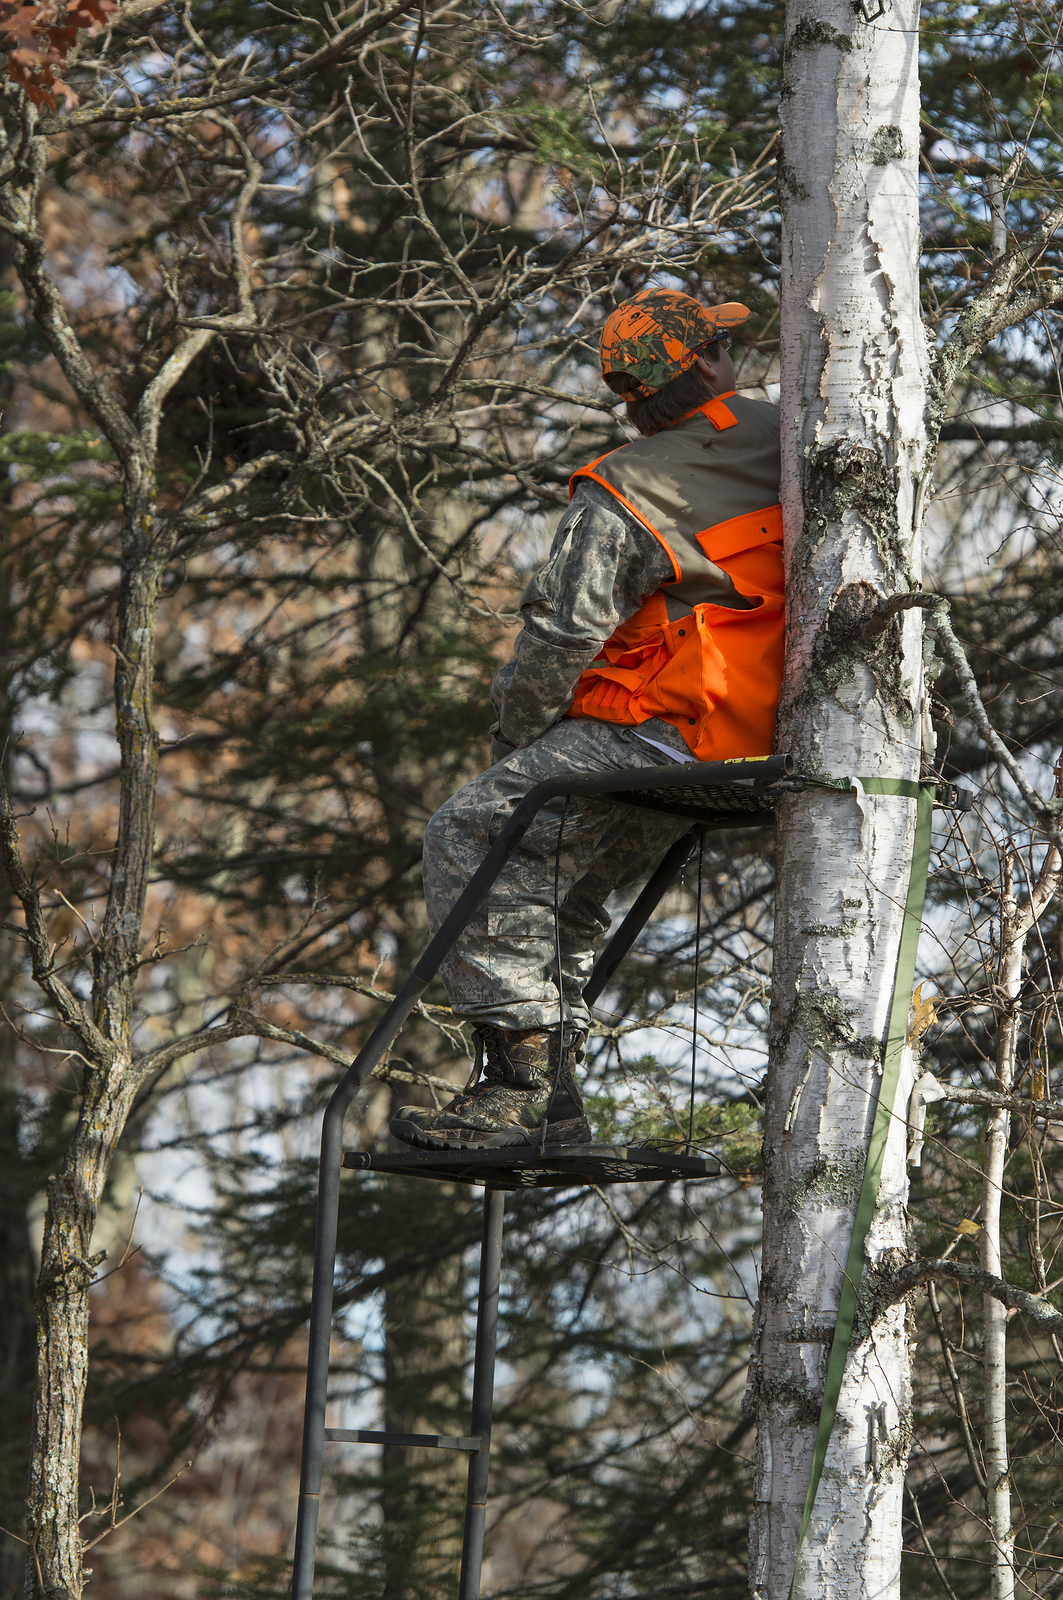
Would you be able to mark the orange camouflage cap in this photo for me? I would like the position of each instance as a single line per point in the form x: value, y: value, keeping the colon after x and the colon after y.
x: 657, y: 334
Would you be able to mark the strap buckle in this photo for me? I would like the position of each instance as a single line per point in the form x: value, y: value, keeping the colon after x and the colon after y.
x: 950, y: 797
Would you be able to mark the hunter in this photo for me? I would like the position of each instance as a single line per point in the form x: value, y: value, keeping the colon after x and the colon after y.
x: 653, y: 634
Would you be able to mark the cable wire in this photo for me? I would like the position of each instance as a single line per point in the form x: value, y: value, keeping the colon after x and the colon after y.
x: 697, y: 975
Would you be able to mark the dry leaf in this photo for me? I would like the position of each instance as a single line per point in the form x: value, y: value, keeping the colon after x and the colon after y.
x: 43, y: 34
x: 924, y: 1015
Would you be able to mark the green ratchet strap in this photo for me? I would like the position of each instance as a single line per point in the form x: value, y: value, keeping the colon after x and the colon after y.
x: 923, y: 795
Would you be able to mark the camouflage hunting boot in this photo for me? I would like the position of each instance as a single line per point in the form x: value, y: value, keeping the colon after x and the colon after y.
x: 507, y: 1106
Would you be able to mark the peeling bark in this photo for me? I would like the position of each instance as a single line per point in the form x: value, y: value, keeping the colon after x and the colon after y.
x: 854, y: 387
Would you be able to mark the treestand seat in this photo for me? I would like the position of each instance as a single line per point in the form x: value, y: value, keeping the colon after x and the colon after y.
x: 555, y: 1167
x: 712, y: 795
x: 745, y: 803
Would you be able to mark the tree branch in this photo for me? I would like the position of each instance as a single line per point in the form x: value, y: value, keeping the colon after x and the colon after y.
x: 250, y: 1026
x: 1046, y: 1110
x: 1020, y: 433
x: 71, y: 1010
x: 18, y: 219
x: 149, y: 412
x: 262, y: 1029
x: 248, y: 190
x: 989, y: 311
x: 188, y: 1045
x: 242, y: 89
x: 889, y: 1291
x: 938, y: 606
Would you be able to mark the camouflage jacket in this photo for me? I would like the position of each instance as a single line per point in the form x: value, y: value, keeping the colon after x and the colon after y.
x: 602, y: 565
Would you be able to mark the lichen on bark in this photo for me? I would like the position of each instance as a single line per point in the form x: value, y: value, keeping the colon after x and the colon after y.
x: 811, y: 33
x: 886, y: 144
x: 825, y: 1021
x: 847, y: 477
x: 838, y: 1181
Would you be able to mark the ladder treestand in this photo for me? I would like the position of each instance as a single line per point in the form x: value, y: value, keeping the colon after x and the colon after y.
x: 711, y: 795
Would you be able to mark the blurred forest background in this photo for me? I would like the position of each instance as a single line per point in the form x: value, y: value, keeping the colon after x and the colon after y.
x: 404, y: 257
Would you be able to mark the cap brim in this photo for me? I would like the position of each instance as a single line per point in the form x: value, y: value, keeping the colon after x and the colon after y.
x: 729, y: 315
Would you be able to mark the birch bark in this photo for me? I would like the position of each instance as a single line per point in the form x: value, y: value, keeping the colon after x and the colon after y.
x: 1016, y: 921
x: 1013, y: 930
x: 854, y: 393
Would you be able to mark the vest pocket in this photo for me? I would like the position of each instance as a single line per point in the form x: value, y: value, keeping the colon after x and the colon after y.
x: 627, y: 677
x: 620, y: 676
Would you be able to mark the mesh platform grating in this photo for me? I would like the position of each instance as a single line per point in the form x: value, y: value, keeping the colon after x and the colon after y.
x: 738, y: 804
x: 557, y: 1166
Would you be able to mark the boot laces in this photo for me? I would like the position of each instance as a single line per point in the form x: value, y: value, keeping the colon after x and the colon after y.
x: 506, y: 1057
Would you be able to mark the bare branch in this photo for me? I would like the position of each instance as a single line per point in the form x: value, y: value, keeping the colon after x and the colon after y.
x: 113, y: 1526
x: 890, y: 1290
x: 991, y: 309
x: 18, y: 219
x: 149, y: 411
x: 248, y: 190
x: 1042, y: 1110
x: 957, y: 1392
x: 294, y: 1036
x: 240, y: 89
x: 71, y: 1010
x: 938, y: 606
x: 189, y: 1044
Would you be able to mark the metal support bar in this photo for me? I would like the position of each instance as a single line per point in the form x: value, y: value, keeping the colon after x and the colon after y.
x: 681, y: 775
x: 483, y: 1388
x: 675, y: 859
x: 426, y: 1441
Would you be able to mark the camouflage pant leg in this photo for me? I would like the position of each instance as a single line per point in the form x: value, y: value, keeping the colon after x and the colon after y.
x: 503, y: 968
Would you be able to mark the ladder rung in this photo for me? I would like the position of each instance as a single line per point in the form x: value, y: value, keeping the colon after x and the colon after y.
x: 430, y: 1441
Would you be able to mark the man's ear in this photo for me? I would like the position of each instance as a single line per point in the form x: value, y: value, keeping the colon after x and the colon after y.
x: 710, y: 371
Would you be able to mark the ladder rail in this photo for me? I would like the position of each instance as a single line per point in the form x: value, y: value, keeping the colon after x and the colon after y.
x: 650, y: 897
x: 483, y: 1389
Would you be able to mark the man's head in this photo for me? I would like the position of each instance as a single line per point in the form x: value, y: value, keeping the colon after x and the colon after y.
x: 666, y: 354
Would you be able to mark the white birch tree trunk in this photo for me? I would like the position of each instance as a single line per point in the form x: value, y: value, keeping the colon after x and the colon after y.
x: 1013, y: 931
x: 1015, y: 924
x: 854, y: 381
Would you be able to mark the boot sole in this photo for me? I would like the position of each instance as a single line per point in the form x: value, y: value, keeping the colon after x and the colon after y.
x: 576, y: 1131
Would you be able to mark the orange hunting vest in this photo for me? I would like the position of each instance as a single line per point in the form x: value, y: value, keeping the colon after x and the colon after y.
x: 713, y: 671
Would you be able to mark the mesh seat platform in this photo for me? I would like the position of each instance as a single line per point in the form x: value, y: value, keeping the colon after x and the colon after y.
x: 718, y: 794
x: 714, y: 805
x: 556, y: 1167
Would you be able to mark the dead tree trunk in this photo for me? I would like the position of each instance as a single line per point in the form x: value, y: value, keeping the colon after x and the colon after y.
x: 109, y: 1081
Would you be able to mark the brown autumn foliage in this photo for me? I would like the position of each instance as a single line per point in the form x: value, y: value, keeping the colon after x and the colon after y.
x: 38, y: 39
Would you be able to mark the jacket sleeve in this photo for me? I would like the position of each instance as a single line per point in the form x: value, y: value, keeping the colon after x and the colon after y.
x: 602, y: 565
